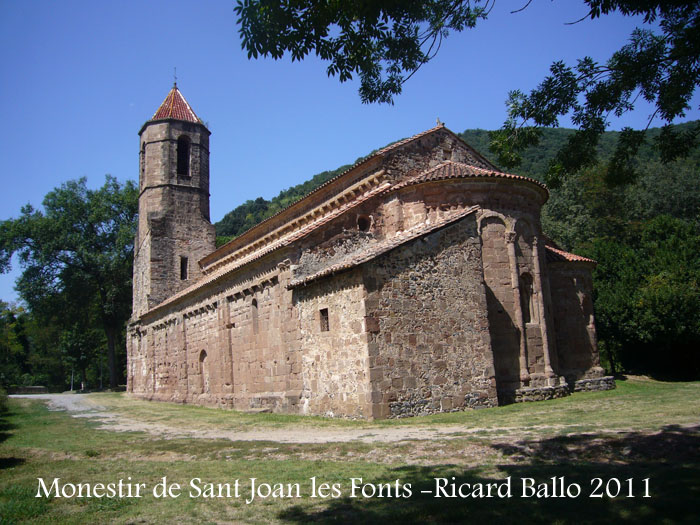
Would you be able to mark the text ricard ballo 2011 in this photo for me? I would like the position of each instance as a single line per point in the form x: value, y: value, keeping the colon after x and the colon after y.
x: 254, y: 489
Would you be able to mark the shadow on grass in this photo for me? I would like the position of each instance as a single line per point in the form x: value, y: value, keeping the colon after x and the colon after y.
x: 11, y: 462
x: 670, y: 459
x: 5, y: 426
x: 672, y: 444
x: 5, y: 433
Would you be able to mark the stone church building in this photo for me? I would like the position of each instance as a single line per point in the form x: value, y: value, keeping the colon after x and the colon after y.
x: 417, y: 281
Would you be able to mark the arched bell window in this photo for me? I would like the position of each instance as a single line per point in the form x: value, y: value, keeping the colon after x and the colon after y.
x: 183, y: 156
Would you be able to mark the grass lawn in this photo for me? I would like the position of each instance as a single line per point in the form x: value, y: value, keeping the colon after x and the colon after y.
x: 638, y: 404
x: 642, y: 430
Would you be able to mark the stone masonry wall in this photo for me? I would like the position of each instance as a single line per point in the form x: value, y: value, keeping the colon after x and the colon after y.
x: 510, y: 224
x: 334, y: 355
x: 572, y: 296
x: 429, y: 345
x: 505, y: 335
x: 173, y: 212
x: 234, y: 345
x: 263, y: 329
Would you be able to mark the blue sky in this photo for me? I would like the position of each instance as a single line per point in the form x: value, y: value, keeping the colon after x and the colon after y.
x: 80, y: 77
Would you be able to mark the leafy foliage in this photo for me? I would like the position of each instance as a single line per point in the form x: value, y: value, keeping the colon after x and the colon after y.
x: 14, y: 346
x: 77, y: 257
x: 645, y: 239
x: 647, y: 295
x: 383, y: 42
x: 661, y: 67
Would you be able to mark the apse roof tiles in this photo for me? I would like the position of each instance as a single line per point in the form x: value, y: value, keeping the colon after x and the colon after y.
x: 457, y: 170
x: 557, y: 255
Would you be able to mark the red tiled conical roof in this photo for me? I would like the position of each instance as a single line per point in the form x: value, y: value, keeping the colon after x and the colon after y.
x: 175, y: 106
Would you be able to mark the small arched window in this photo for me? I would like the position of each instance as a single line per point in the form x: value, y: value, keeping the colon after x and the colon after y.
x: 527, y: 300
x: 183, y: 156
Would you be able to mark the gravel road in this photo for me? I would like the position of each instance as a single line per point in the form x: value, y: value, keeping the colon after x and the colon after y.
x: 82, y: 405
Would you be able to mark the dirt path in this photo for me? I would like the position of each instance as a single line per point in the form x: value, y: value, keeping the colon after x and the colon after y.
x: 80, y: 405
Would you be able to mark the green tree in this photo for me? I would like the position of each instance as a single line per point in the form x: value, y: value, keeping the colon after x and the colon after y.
x: 647, y: 297
x: 77, y: 257
x: 585, y: 207
x: 14, y: 345
x: 385, y: 42
x: 662, y: 66
x: 78, y: 346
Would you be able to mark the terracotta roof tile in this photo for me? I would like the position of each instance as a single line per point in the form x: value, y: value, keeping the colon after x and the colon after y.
x: 176, y: 107
x: 458, y: 170
x: 557, y: 255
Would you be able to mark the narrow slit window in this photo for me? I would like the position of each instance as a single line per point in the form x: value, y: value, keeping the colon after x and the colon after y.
x: 183, y: 268
x: 183, y: 156
x: 254, y: 315
x: 323, y: 314
x: 143, y: 158
x: 527, y: 298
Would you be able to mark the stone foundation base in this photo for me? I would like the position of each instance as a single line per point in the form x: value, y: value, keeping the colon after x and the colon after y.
x: 424, y: 407
x: 398, y: 409
x: 541, y: 393
x: 225, y: 401
x: 595, y: 384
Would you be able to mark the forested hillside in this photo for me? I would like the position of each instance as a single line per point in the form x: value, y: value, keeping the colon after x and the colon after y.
x: 251, y: 212
x: 535, y: 159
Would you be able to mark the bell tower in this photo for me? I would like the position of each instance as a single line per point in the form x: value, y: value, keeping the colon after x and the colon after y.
x: 174, y: 229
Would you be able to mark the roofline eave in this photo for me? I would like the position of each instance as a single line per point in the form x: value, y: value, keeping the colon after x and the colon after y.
x: 171, y: 119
